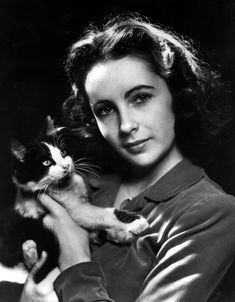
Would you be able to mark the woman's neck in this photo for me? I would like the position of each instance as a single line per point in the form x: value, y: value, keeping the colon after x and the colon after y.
x: 140, y: 178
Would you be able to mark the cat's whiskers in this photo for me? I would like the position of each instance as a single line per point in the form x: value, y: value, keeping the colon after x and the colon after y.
x: 80, y: 173
x: 58, y: 138
x: 82, y: 159
x: 45, y: 184
x: 86, y: 165
x: 87, y: 161
x: 80, y: 170
x: 55, y: 139
x: 62, y: 143
x: 49, y: 186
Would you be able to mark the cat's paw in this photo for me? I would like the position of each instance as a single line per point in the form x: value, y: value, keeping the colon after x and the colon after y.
x: 120, y: 236
x: 127, y: 227
x: 30, y: 254
x: 131, y: 222
x: 29, y: 209
x: 138, y: 226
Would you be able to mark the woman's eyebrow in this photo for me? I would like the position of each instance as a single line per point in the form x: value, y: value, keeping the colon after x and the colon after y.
x: 126, y: 95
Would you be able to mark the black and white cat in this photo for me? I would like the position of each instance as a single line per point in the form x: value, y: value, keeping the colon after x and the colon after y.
x: 47, y: 164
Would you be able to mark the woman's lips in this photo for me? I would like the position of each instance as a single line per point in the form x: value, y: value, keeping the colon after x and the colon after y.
x: 136, y: 146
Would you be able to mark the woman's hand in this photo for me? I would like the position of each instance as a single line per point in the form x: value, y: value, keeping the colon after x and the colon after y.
x: 73, y: 195
x: 73, y: 240
x: 43, y: 291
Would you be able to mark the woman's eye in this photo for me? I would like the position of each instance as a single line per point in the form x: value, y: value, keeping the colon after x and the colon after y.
x: 47, y: 163
x: 104, y: 111
x: 63, y: 153
x: 141, y: 98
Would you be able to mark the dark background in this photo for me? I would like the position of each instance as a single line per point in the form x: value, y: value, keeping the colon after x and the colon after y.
x: 34, y: 39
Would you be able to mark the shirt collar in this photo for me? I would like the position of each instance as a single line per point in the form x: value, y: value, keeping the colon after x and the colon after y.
x: 180, y: 177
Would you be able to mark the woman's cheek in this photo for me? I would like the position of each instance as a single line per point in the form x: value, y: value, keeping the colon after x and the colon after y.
x: 106, y: 129
x: 109, y: 126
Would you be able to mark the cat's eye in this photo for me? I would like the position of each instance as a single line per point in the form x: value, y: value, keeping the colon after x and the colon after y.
x: 63, y: 153
x: 47, y: 163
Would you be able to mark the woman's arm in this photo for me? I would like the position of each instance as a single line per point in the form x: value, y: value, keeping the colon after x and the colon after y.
x: 198, y: 250
x: 196, y: 254
x: 43, y: 291
x: 73, y: 240
x: 74, y: 249
x: 88, y: 282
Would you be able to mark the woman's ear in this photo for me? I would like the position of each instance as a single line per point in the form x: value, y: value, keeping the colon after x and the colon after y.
x: 18, y: 150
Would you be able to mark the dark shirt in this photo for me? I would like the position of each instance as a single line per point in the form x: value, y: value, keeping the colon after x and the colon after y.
x: 182, y: 257
x: 185, y: 255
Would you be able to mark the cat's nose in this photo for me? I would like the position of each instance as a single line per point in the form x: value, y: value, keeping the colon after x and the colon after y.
x: 66, y: 168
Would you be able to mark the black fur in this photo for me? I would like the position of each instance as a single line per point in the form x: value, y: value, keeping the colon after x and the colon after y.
x: 15, y: 230
x: 125, y: 217
x: 27, y: 166
x: 31, y: 168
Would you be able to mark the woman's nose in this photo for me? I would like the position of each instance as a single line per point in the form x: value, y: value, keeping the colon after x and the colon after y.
x: 128, y: 122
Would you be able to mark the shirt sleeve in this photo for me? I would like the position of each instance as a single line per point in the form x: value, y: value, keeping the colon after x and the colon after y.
x: 84, y: 282
x: 198, y: 250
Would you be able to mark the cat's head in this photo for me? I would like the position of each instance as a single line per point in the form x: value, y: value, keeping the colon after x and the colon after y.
x: 42, y: 161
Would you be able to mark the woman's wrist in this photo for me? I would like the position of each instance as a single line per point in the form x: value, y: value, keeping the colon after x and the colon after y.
x: 74, y: 247
x: 66, y: 261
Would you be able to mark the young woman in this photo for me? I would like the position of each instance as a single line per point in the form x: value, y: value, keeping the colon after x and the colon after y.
x: 144, y: 90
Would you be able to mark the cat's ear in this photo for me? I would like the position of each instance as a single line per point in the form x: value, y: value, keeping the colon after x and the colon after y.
x: 18, y: 150
x: 48, y: 128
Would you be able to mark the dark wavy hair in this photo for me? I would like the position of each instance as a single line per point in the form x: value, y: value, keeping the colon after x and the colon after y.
x: 199, y: 100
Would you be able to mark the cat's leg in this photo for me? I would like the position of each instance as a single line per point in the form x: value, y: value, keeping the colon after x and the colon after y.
x: 27, y: 206
x: 13, y: 274
x: 127, y: 226
x: 121, y: 226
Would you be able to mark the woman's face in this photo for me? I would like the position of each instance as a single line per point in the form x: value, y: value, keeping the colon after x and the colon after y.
x: 133, y: 109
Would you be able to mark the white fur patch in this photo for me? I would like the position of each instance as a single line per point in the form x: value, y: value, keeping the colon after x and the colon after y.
x: 63, y: 166
x: 17, y: 274
x: 62, y: 163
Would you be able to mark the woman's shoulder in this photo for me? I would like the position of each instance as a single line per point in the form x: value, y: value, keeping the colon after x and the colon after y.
x: 206, y: 204
x: 208, y: 193
x: 202, y: 205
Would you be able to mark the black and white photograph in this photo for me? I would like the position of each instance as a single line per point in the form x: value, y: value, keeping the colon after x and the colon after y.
x: 117, y: 153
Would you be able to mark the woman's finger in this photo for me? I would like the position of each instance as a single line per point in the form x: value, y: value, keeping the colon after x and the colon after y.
x: 42, y: 291
x: 50, y: 204
x: 47, y: 282
x: 37, y: 267
x: 57, y: 215
x: 52, y: 297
